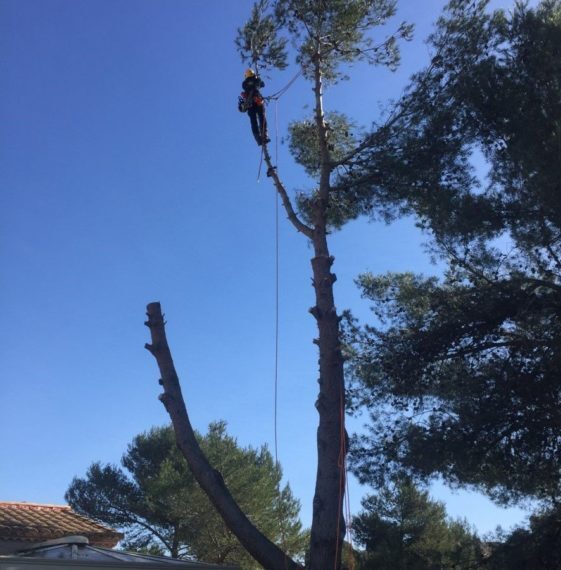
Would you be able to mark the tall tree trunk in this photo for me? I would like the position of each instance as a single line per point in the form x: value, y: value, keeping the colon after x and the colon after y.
x: 328, y: 525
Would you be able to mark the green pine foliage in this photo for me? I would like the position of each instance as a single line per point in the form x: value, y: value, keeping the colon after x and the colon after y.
x: 258, y: 42
x: 336, y: 31
x: 400, y: 527
x: 537, y: 547
x: 463, y: 373
x: 155, y: 500
x: 304, y: 145
x: 330, y: 34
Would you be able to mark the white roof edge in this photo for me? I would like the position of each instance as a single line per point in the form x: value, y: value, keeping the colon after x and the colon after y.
x: 72, y: 539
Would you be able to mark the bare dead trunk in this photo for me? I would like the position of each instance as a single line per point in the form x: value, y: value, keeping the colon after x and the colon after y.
x: 258, y: 545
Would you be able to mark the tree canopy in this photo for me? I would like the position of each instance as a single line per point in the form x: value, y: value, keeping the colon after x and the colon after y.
x: 400, y: 527
x: 324, y: 37
x: 463, y: 372
x: 466, y: 365
x: 537, y: 547
x: 156, y: 501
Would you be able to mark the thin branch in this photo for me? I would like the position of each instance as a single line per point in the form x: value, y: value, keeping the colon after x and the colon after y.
x: 151, y: 529
x: 463, y: 262
x: 369, y: 140
x: 543, y: 283
x: 292, y: 216
x: 553, y: 255
x: 134, y: 520
x: 326, y: 164
x: 481, y: 347
x: 399, y: 111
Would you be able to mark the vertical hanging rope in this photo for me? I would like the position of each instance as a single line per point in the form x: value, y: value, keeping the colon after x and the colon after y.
x: 340, y: 543
x: 352, y: 561
x: 275, y: 97
x: 276, y: 132
x: 276, y: 322
x: 276, y: 286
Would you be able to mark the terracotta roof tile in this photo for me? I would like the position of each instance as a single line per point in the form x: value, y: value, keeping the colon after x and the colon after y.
x: 31, y: 522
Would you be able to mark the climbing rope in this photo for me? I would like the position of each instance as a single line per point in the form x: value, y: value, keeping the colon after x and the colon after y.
x: 277, y: 273
x: 348, y: 516
x: 276, y: 367
x: 342, y: 474
x: 344, y: 498
x: 276, y: 323
x: 282, y: 91
x: 277, y: 290
x: 344, y: 495
x: 274, y: 97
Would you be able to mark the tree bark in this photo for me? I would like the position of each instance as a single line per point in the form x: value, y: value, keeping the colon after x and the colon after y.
x: 328, y: 524
x: 257, y: 544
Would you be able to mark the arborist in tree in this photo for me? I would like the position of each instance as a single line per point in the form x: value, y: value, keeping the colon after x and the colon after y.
x: 252, y: 101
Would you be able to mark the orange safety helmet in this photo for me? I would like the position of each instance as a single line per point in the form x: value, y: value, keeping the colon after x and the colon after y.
x: 249, y: 73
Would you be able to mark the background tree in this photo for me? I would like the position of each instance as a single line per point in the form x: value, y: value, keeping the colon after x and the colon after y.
x: 402, y: 528
x: 324, y: 36
x: 535, y: 548
x: 156, y: 501
x: 463, y: 373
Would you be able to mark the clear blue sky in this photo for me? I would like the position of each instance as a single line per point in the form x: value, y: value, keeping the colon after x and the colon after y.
x: 127, y: 175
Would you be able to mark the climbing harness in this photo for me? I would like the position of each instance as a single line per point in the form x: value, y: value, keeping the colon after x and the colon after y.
x: 243, y: 103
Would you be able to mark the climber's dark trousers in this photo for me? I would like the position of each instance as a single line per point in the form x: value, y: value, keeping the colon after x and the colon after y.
x: 258, y: 123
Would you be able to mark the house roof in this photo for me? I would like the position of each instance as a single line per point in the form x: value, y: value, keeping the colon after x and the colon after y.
x: 32, y: 522
x: 74, y: 553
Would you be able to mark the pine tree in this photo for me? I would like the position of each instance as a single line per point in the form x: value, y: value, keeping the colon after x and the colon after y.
x: 325, y: 36
x: 468, y: 365
x: 400, y: 527
x: 156, y: 501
